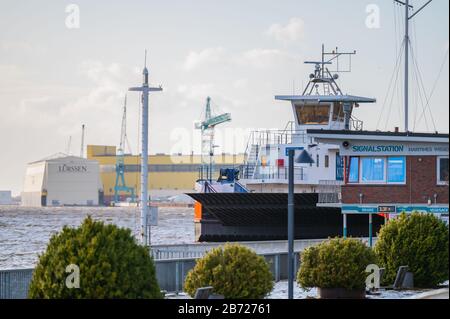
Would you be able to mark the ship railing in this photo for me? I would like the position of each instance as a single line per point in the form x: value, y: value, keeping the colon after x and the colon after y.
x: 278, y: 173
x: 356, y: 124
x: 261, y: 138
x: 329, y: 191
x: 266, y: 137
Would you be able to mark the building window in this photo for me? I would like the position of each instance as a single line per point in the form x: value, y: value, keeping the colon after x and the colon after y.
x: 372, y: 170
x: 396, y: 169
x: 327, y: 161
x: 378, y: 170
x: 442, y: 170
x: 339, y: 167
x: 353, y: 171
x: 317, y: 160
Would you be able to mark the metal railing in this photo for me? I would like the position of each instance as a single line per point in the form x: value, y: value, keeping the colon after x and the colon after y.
x: 172, y: 263
x: 14, y: 283
x: 329, y: 191
x: 276, y: 137
x: 163, y: 252
x: 278, y: 173
x: 356, y: 124
x: 261, y: 138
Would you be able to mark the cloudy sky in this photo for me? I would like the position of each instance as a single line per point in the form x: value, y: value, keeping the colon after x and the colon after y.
x: 57, y: 74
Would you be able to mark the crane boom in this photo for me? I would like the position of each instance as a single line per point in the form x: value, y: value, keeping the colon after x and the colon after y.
x: 207, y: 126
x: 123, y: 129
x: 120, y: 159
x: 82, y: 141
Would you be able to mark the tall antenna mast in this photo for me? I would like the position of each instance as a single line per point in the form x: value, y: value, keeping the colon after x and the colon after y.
x: 407, y: 43
x: 145, y: 90
x: 145, y: 58
x: 322, y: 75
x: 82, y: 141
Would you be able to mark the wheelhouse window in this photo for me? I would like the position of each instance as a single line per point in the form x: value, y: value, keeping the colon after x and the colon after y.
x: 317, y: 114
x: 442, y: 173
x: 372, y: 170
x: 338, y: 112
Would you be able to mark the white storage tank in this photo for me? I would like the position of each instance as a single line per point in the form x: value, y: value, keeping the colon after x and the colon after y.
x: 62, y: 180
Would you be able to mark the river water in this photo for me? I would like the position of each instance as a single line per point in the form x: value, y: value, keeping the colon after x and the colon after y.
x: 25, y: 231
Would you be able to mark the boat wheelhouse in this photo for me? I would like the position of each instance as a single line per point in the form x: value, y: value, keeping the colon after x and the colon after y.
x: 322, y: 105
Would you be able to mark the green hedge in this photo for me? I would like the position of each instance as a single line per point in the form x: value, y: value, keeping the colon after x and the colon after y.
x: 335, y: 263
x: 419, y: 241
x: 111, y: 265
x: 234, y: 271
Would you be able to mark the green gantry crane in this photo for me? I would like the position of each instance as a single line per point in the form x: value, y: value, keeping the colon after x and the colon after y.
x: 207, y: 126
x: 120, y: 185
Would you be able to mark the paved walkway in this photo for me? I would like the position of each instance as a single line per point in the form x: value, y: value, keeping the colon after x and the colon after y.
x: 433, y: 294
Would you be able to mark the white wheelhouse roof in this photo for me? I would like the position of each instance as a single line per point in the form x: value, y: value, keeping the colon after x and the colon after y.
x: 325, y: 98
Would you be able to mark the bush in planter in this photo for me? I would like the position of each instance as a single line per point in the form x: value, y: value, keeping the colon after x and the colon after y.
x: 111, y: 265
x: 419, y: 241
x: 234, y: 271
x: 335, y: 263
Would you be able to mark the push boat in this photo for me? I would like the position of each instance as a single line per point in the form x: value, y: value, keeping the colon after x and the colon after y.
x: 250, y: 202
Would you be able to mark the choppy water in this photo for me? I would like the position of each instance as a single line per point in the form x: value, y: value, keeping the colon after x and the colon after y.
x: 24, y: 231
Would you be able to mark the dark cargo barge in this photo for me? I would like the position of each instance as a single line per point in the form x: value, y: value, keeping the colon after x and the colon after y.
x: 223, y: 217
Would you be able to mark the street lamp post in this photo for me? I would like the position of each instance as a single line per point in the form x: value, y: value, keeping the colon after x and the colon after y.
x: 291, y: 153
x: 304, y: 158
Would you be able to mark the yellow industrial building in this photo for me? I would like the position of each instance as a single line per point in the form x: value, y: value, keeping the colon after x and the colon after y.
x: 168, y: 174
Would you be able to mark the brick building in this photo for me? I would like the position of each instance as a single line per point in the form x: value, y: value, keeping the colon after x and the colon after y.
x: 391, y: 172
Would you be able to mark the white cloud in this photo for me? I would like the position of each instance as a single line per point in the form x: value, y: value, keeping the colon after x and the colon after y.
x: 62, y: 110
x: 100, y: 73
x: 256, y: 58
x: 291, y: 32
x: 240, y: 83
x: 264, y: 58
x: 206, y: 56
x: 8, y: 72
x: 196, y: 91
x: 23, y: 46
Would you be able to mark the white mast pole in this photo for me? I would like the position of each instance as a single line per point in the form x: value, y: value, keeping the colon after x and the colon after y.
x: 407, y: 18
x: 406, y: 63
x: 145, y: 89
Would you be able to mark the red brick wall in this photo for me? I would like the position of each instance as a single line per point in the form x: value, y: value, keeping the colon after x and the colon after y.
x: 421, y: 184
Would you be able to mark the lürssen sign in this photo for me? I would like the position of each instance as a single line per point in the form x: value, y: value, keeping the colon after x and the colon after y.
x: 438, y: 149
x: 72, y: 168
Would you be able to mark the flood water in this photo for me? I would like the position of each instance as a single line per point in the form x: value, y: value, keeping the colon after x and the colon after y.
x: 25, y: 231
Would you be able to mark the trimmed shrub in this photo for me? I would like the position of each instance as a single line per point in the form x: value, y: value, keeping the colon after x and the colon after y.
x: 419, y: 241
x: 335, y: 263
x: 234, y: 271
x: 111, y: 265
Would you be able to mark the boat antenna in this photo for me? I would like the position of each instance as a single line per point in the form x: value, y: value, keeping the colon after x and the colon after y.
x: 407, y: 44
x: 145, y: 58
x: 322, y: 75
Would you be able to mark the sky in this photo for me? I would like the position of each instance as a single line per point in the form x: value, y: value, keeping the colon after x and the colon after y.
x: 68, y: 63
